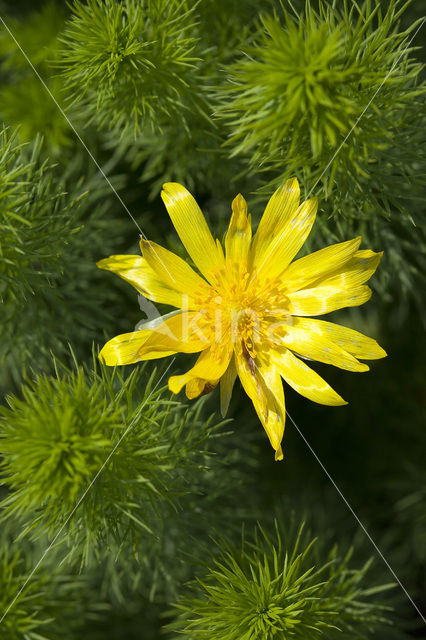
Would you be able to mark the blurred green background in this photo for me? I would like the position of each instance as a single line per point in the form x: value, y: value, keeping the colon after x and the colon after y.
x: 225, y: 97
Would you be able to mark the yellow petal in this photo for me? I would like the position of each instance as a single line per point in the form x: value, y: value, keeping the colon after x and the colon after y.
x: 281, y: 208
x: 304, y: 380
x: 238, y: 237
x: 263, y: 385
x: 136, y: 271
x: 276, y: 257
x: 123, y: 349
x: 171, y: 269
x: 348, y: 339
x: 341, y: 288
x: 320, y: 300
x: 226, y: 385
x: 192, y: 228
x: 358, y: 270
x: 310, y: 268
x: 315, y: 346
x: 210, y: 366
x: 178, y: 334
x: 194, y: 388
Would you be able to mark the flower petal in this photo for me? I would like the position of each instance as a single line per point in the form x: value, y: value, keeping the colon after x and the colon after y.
x: 263, y: 385
x: 316, y: 346
x: 348, y: 339
x: 226, y: 385
x: 136, y: 271
x: 154, y: 321
x: 171, y: 269
x: 281, y: 208
x: 304, y: 380
x: 238, y: 237
x: 196, y: 386
x: 276, y: 257
x: 310, y: 268
x: 177, y: 333
x: 123, y: 349
x: 192, y: 227
x: 210, y: 366
x: 320, y: 300
x: 354, y: 273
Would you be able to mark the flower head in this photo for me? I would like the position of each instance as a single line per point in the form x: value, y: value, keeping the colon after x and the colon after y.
x: 248, y: 312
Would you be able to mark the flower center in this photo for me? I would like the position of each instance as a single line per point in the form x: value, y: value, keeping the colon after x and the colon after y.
x: 241, y: 309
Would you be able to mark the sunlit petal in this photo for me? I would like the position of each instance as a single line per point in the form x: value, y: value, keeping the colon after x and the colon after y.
x: 238, y: 237
x: 123, y: 349
x: 171, y: 269
x: 316, y: 346
x: 281, y: 209
x: 310, y: 268
x: 136, y: 271
x: 263, y: 385
x: 354, y: 273
x: 304, y: 380
x: 276, y: 257
x: 192, y: 228
x: 323, y: 299
x: 350, y: 340
x: 210, y: 366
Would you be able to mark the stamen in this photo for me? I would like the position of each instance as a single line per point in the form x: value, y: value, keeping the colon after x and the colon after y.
x: 239, y: 307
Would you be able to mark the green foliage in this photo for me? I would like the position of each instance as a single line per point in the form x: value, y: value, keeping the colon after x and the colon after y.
x: 22, y: 620
x: 159, y: 157
x: 37, y: 222
x: 304, y: 83
x: 280, y: 93
x: 409, y: 514
x: 37, y: 35
x: 45, y: 117
x: 333, y: 95
x: 131, y: 62
x: 50, y: 240
x: 56, y: 438
x: 279, y: 587
x: 51, y: 600
x: 410, y: 508
x: 225, y: 96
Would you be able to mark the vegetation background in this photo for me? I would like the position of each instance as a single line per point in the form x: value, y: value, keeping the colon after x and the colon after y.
x: 191, y: 530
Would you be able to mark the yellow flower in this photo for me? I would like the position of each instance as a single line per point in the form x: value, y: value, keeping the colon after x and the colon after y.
x: 248, y: 313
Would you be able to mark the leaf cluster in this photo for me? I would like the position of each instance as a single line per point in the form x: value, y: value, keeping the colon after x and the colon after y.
x: 53, y: 229
x: 305, y: 82
x: 279, y: 586
x: 37, y: 222
x: 131, y: 62
x: 102, y: 455
x: 334, y: 95
x: 150, y: 89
